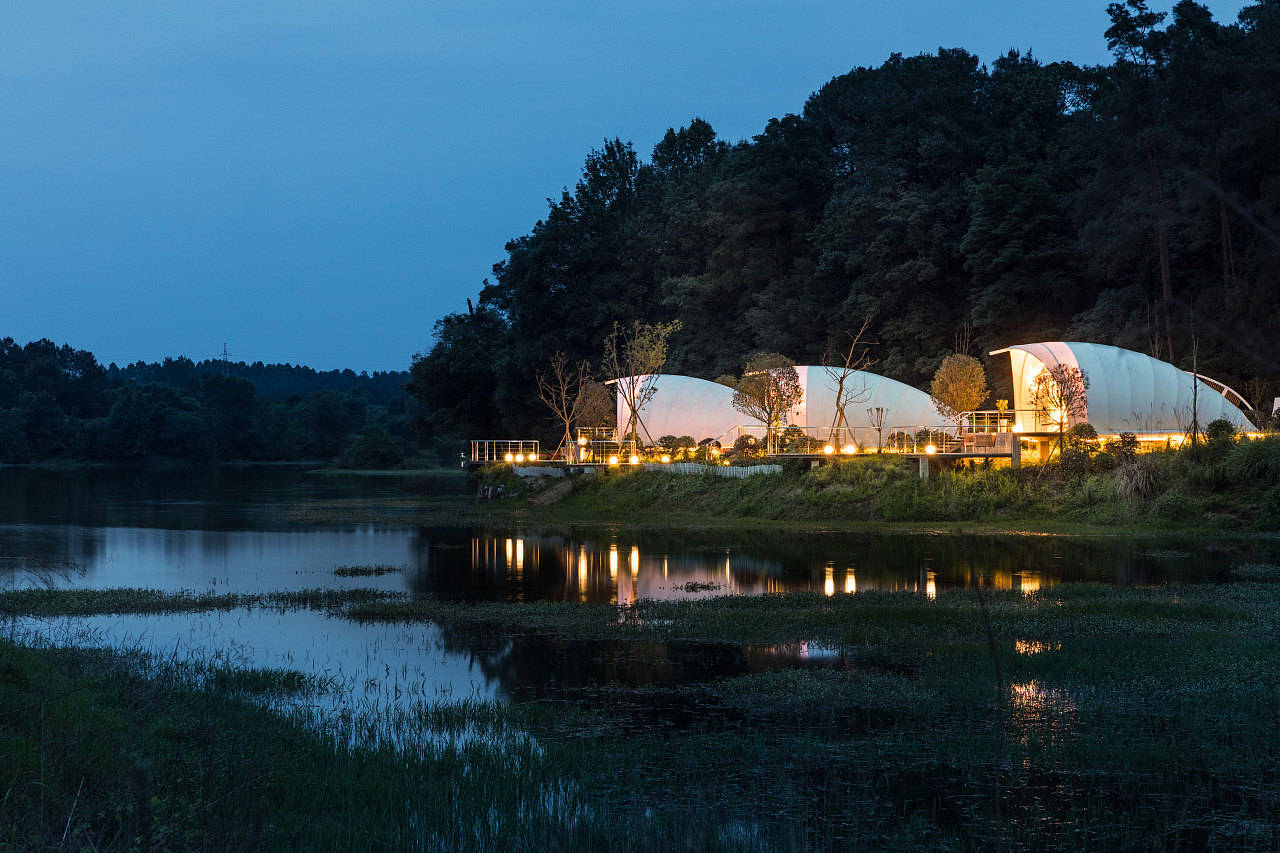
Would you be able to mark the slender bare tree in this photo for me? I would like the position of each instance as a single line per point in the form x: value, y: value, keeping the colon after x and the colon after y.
x: 562, y: 390
x: 843, y: 365
x: 634, y: 355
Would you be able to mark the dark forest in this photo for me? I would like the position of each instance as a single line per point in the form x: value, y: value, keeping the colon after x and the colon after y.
x: 57, y: 402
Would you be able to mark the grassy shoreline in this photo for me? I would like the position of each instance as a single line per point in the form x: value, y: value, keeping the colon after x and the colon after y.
x: 1204, y: 497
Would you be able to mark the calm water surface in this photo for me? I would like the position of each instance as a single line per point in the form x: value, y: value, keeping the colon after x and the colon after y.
x: 228, y: 530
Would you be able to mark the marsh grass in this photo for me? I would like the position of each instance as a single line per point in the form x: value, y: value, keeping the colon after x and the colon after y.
x: 366, y: 571
x: 46, y: 601
x: 1139, y: 718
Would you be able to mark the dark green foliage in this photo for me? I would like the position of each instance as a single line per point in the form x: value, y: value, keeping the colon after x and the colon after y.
x: 1220, y: 430
x: 1256, y: 461
x: 1115, y: 204
x: 374, y: 447
x: 58, y: 403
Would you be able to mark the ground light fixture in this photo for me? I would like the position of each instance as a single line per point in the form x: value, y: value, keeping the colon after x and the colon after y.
x: 828, y: 449
x: 613, y: 460
x: 509, y: 457
x: 533, y: 457
x: 519, y: 457
x: 634, y: 460
x: 665, y: 458
x: 930, y: 449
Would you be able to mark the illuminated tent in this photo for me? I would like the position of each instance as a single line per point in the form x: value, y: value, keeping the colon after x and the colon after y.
x: 683, y: 405
x: 904, y: 406
x: 1128, y: 391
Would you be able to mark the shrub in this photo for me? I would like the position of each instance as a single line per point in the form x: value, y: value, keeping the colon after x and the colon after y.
x: 1083, y: 439
x: 747, y: 446
x: 1173, y: 505
x: 1125, y: 447
x: 1220, y: 429
x: 1255, y: 460
x: 1138, y: 477
x: 1103, y: 461
x: 1268, y: 515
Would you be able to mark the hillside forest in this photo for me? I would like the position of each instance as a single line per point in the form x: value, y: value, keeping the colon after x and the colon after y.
x: 953, y: 205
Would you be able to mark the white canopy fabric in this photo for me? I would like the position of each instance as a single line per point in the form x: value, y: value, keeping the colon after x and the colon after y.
x: 904, y: 406
x: 683, y: 405
x: 1128, y: 391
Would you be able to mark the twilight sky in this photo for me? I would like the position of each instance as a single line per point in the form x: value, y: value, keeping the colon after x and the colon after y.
x: 317, y: 182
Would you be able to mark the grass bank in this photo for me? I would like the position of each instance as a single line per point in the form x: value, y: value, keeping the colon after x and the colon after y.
x: 1221, y: 488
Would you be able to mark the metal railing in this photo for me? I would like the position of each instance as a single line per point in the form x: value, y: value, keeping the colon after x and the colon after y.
x: 505, y: 450
x: 978, y: 432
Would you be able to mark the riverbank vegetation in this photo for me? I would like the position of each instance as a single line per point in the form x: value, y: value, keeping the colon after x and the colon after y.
x: 1081, y: 716
x: 1221, y: 485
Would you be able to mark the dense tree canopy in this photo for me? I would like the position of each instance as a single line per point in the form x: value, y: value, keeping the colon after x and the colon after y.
x: 1131, y: 204
x: 57, y: 402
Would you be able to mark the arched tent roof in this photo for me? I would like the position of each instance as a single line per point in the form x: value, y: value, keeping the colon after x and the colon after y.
x: 1128, y: 391
x: 683, y: 405
x: 904, y: 406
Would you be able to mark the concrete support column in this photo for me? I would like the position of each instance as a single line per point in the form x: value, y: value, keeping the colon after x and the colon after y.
x: 924, y: 467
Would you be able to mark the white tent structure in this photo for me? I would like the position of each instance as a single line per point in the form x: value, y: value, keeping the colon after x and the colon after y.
x: 682, y: 405
x: 903, y: 405
x: 1128, y: 391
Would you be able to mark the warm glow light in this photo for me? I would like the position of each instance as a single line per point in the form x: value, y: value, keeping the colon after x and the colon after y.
x: 510, y: 545
x: 635, y: 561
x: 850, y: 582
x: 930, y: 449
x: 613, y: 561
x: 829, y: 583
x: 634, y: 460
x: 613, y: 460
x: 519, y: 554
x: 666, y: 458
x: 828, y: 450
x: 509, y: 457
x: 931, y: 586
x: 848, y: 449
x: 533, y: 457
x: 519, y: 457
x: 582, y: 440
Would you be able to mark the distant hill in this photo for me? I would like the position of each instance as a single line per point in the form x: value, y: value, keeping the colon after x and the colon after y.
x: 271, y: 381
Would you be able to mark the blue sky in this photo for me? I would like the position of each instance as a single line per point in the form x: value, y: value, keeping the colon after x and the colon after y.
x: 318, y: 182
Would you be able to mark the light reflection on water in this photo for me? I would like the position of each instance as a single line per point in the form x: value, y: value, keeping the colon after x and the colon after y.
x: 509, y: 564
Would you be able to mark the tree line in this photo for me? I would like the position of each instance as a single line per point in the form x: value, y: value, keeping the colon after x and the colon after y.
x: 58, y: 402
x: 935, y: 199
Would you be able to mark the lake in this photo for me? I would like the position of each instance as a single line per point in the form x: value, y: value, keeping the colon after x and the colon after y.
x: 227, y: 529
